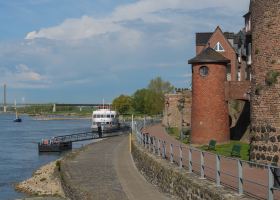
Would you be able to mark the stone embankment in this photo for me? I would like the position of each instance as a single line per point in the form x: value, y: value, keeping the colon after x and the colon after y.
x: 170, y: 179
x: 44, y: 182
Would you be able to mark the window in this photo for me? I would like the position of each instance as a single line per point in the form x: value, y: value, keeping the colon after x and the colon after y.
x: 108, y: 116
x: 112, y: 116
x: 219, y: 47
x: 203, y: 71
x: 228, y: 68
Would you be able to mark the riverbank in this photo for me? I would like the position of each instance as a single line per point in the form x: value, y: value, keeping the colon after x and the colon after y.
x: 45, y: 181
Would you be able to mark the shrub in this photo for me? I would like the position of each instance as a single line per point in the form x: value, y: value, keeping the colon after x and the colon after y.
x: 271, y: 77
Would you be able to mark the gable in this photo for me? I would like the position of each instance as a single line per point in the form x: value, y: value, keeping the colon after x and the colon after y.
x: 219, y: 41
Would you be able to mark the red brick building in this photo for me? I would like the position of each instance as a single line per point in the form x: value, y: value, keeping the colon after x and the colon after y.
x: 231, y: 46
x: 210, y: 119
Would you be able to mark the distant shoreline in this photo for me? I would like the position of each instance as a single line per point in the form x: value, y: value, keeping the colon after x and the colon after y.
x: 48, y: 118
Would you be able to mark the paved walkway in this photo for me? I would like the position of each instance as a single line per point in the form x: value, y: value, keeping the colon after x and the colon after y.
x: 105, y: 170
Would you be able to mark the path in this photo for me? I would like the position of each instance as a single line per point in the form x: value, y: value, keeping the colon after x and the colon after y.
x: 105, y: 170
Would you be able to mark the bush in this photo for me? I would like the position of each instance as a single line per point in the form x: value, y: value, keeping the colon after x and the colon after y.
x: 271, y: 77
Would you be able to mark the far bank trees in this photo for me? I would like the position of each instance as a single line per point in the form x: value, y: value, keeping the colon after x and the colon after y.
x: 148, y: 101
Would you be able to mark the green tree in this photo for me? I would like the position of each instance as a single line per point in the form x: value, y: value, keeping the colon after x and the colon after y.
x: 123, y: 104
x: 147, y: 102
x: 138, y: 102
x: 160, y: 86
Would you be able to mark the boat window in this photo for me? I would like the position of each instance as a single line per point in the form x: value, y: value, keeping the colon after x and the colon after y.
x: 108, y: 116
x: 97, y: 116
x: 107, y: 122
x: 94, y: 116
x: 112, y: 116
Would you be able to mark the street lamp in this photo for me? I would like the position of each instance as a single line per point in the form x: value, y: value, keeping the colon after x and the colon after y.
x: 181, y: 106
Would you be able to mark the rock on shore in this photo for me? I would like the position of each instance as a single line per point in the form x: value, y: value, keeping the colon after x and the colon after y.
x: 44, y: 182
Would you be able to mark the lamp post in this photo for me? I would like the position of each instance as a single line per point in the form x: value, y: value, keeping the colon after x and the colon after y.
x: 181, y: 105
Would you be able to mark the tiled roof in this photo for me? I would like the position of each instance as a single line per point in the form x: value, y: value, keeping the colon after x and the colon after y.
x: 209, y: 55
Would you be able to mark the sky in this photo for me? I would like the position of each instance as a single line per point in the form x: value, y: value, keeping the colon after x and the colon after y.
x: 69, y: 51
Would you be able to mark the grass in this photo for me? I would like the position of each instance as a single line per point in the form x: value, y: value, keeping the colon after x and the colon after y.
x: 175, y: 132
x: 225, y: 149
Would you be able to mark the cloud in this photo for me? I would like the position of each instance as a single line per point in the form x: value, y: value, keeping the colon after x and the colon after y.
x: 148, y: 11
x: 22, y: 77
x: 118, y: 51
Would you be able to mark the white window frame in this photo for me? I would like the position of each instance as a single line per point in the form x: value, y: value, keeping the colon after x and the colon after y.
x: 218, y: 45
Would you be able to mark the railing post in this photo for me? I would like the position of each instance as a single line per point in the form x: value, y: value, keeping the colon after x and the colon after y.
x: 240, y: 177
x: 218, y: 170
x: 163, y: 149
x: 147, y: 144
x: 190, y: 160
x: 158, y: 147
x: 150, y: 142
x: 154, y: 145
x: 270, y: 183
x: 202, y: 167
x: 180, y: 157
x: 171, y: 153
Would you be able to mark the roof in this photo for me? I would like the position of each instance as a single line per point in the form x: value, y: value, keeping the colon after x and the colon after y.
x: 209, y: 55
x: 203, y: 38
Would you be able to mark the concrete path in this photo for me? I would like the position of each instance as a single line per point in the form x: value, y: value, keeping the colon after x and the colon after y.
x: 105, y: 170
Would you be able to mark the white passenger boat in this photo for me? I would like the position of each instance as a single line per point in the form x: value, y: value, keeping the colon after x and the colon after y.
x: 107, y: 119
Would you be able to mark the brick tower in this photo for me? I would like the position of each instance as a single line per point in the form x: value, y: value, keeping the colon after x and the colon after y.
x: 265, y: 96
x: 210, y: 119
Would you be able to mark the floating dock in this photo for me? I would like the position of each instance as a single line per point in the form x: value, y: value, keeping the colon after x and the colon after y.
x: 64, y: 142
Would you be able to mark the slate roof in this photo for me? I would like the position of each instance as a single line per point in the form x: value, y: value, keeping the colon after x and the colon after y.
x: 209, y: 55
x: 202, y: 38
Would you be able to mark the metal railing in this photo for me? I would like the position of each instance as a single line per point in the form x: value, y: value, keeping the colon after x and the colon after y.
x: 256, y: 180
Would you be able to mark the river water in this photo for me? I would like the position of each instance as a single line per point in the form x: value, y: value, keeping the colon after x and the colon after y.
x: 19, y: 155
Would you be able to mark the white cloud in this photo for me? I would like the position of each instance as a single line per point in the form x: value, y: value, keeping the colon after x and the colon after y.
x: 22, y: 77
x: 119, y: 51
x: 149, y: 11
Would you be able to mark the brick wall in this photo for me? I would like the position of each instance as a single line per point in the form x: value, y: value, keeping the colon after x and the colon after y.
x: 172, y: 115
x: 210, y: 118
x: 265, y: 99
x: 239, y: 90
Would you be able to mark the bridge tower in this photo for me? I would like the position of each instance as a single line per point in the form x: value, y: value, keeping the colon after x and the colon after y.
x: 5, y: 99
x: 265, y: 98
x: 210, y: 119
x: 54, y: 107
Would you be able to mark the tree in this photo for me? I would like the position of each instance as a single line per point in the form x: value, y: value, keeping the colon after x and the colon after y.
x: 160, y: 86
x: 146, y: 101
x: 138, y: 101
x: 123, y: 104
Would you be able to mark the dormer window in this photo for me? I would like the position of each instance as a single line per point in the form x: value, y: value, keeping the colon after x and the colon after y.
x: 219, y: 47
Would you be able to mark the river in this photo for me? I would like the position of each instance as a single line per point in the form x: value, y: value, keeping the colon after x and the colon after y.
x: 19, y: 156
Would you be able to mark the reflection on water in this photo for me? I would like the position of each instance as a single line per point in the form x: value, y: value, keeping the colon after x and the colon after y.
x: 19, y: 155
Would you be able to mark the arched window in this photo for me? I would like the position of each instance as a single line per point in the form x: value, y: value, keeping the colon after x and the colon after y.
x: 203, y: 71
